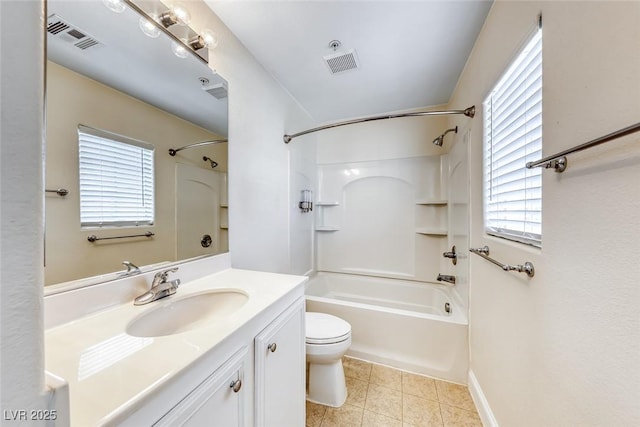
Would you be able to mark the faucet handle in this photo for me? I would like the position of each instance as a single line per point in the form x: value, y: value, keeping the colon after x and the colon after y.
x: 161, y: 276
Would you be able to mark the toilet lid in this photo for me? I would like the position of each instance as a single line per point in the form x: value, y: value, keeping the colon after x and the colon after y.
x: 322, y: 328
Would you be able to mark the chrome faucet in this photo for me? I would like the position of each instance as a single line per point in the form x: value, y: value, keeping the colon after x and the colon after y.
x: 160, y: 288
x: 446, y: 278
x: 132, y: 269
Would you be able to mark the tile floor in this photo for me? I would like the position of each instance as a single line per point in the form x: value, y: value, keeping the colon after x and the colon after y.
x: 379, y: 396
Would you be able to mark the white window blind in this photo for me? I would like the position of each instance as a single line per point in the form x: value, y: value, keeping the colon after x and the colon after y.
x: 513, y: 137
x: 116, y: 180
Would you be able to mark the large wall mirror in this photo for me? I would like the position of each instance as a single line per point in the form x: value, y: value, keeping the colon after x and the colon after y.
x: 108, y: 81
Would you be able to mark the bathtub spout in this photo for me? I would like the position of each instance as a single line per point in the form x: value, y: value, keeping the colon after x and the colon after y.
x: 446, y: 278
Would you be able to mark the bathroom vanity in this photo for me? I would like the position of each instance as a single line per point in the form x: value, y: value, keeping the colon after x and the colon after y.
x: 227, y: 349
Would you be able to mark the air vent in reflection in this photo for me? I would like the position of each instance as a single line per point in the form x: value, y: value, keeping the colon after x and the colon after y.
x: 63, y: 31
x: 219, y: 91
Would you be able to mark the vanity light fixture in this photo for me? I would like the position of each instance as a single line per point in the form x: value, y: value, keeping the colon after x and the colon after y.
x: 305, y: 205
x: 152, y: 24
x: 116, y: 6
x: 177, y: 15
x: 206, y: 38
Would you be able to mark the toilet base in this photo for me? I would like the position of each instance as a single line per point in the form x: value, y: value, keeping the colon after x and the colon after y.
x: 327, y: 385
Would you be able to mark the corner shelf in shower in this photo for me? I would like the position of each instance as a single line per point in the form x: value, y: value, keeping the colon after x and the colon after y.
x: 432, y: 231
x: 327, y: 228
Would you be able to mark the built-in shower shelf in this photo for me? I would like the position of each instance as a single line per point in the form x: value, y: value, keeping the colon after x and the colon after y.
x: 319, y: 203
x: 327, y: 228
x: 431, y: 202
x: 431, y: 231
x: 224, y: 206
x: 224, y: 227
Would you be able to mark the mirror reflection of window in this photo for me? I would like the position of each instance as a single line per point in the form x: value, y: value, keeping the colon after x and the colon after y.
x: 116, y: 180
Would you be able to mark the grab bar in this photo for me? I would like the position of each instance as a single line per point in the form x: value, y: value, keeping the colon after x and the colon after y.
x: 527, y: 267
x: 60, y: 191
x: 94, y: 238
x: 559, y: 161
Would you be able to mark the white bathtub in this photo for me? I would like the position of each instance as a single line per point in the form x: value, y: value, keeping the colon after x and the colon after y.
x: 399, y: 323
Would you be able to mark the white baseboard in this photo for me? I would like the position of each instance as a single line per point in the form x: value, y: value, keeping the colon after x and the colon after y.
x: 482, y: 405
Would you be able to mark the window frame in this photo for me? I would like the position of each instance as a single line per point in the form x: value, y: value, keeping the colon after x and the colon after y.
x: 145, y: 212
x: 528, y: 233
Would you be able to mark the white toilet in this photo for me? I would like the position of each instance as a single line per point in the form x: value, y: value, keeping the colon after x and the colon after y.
x: 328, y: 338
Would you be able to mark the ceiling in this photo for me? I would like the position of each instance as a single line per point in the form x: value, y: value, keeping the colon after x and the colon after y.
x: 410, y: 53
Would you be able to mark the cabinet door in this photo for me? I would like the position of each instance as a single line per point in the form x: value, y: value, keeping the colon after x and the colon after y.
x: 280, y: 370
x: 218, y: 401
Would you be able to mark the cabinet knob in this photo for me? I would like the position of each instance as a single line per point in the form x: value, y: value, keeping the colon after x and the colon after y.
x: 272, y: 347
x: 236, y: 385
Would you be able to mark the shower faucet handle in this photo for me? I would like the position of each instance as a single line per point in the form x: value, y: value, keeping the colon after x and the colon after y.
x: 452, y: 255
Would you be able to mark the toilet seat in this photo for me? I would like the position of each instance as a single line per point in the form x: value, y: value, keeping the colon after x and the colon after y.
x: 322, y: 328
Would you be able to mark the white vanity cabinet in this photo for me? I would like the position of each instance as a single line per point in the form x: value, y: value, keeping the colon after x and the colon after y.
x: 280, y: 370
x: 218, y: 401
x: 218, y: 372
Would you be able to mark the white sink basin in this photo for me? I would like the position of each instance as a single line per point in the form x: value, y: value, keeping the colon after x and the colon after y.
x: 187, y: 313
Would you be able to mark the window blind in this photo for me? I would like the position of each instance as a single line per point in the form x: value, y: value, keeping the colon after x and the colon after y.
x: 116, y: 180
x: 513, y: 136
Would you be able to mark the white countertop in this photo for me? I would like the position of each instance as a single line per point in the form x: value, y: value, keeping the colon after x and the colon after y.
x: 110, y: 372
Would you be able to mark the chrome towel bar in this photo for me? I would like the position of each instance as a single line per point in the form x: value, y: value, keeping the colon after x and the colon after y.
x: 94, y: 238
x: 527, y: 267
x: 559, y: 160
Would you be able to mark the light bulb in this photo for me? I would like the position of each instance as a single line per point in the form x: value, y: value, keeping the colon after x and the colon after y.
x: 148, y: 27
x: 183, y: 15
x: 210, y: 38
x: 116, y: 6
x: 179, y: 50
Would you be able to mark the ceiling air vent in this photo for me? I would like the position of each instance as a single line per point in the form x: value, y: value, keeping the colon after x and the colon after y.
x: 65, y: 32
x: 342, y: 61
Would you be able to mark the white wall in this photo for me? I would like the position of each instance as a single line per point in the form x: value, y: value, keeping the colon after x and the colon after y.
x: 562, y: 348
x: 260, y: 113
x: 21, y: 279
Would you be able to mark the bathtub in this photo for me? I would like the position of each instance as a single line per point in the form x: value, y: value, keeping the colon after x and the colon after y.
x: 414, y: 326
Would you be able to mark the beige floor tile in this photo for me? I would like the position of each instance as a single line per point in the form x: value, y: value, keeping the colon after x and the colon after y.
x: 344, y: 416
x: 421, y: 412
x: 356, y: 368
x: 454, y: 395
x: 386, y: 376
x: 419, y: 385
x: 315, y: 412
x: 356, y: 392
x: 456, y: 417
x: 371, y: 419
x: 385, y: 401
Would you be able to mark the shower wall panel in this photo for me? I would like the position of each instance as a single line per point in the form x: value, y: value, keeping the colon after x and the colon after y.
x: 383, y: 218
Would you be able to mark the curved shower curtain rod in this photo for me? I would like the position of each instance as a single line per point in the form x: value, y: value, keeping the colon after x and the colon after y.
x: 173, y: 151
x: 469, y: 112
